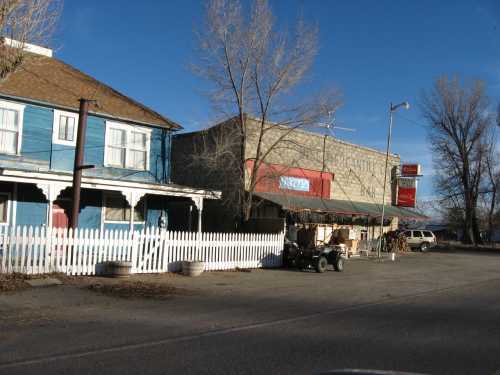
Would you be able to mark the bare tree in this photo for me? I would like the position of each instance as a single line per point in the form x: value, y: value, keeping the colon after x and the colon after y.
x: 253, y: 68
x: 492, y: 190
x: 21, y: 22
x: 459, y: 124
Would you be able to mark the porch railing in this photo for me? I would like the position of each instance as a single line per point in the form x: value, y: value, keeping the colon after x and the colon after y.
x: 38, y: 250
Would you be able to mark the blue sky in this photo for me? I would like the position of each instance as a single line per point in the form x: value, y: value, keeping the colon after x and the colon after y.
x: 375, y: 52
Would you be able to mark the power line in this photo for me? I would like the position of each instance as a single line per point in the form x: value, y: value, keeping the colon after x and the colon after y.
x: 410, y: 120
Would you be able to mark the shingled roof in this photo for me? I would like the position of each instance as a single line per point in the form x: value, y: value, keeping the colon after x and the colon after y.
x: 49, y: 80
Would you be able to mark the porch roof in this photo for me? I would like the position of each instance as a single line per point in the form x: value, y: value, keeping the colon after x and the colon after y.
x: 337, y: 206
x: 63, y: 180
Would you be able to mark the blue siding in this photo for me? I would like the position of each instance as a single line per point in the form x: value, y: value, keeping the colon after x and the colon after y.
x: 63, y: 158
x: 155, y: 206
x: 159, y: 155
x: 37, y: 133
x: 94, y: 142
x: 36, y: 140
x: 31, y: 206
x: 116, y: 226
x: 90, y: 209
x: 38, y: 152
x: 138, y: 227
x: 124, y: 226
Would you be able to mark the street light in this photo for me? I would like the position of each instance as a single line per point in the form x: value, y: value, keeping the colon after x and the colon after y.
x: 392, y: 109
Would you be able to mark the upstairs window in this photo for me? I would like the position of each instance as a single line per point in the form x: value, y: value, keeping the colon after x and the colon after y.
x: 11, y: 122
x: 65, y: 127
x: 127, y: 146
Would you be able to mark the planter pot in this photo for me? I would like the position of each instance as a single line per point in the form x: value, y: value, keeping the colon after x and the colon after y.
x: 118, y: 268
x: 192, y: 268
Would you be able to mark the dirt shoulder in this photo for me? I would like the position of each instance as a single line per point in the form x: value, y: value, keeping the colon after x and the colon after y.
x: 11, y: 283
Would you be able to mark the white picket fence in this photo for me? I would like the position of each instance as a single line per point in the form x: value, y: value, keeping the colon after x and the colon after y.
x: 35, y: 250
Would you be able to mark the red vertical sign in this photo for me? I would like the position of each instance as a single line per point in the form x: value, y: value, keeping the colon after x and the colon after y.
x: 407, y: 192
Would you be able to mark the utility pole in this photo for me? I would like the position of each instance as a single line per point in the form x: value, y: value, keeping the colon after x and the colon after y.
x: 392, y: 108
x: 78, y: 166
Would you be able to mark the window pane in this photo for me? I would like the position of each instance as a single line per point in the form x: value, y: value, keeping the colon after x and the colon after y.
x: 137, y: 159
x: 62, y: 128
x: 70, y: 128
x: 8, y: 119
x: 8, y: 130
x: 3, y: 208
x: 66, y: 128
x: 116, y: 156
x: 138, y: 141
x: 116, y: 208
x: 8, y: 141
x: 117, y: 138
x: 116, y: 147
x: 417, y: 233
x: 114, y: 214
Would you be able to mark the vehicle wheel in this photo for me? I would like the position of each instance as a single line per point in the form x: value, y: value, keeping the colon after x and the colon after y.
x: 321, y: 265
x: 424, y: 246
x: 339, y: 264
x: 287, y: 263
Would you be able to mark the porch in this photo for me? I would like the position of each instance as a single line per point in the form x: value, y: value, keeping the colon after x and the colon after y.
x: 44, y: 199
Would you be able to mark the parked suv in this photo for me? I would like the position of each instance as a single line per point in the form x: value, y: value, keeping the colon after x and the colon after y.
x: 420, y: 239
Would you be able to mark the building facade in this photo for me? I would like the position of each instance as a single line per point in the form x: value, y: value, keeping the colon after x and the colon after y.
x: 305, y: 177
x: 127, y: 144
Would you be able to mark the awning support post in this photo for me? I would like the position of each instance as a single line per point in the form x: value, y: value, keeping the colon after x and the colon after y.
x: 198, y: 202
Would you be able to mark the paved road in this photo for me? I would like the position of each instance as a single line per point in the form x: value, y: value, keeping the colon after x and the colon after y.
x: 432, y: 313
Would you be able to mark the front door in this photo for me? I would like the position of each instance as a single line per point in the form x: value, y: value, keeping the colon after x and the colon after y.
x: 59, y: 217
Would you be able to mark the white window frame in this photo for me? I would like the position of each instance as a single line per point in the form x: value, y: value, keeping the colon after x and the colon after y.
x: 128, y: 130
x: 55, y: 128
x: 104, y: 206
x: 20, y: 109
x: 9, y: 205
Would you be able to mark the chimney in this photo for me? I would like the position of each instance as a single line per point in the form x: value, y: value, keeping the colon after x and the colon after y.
x: 29, y: 47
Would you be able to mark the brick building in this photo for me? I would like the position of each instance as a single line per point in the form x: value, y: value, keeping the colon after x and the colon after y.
x: 307, y: 177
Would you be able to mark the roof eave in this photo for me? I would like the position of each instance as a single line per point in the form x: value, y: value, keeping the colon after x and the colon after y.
x: 169, y: 124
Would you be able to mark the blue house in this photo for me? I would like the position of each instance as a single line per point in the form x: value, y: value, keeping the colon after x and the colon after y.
x: 127, y: 142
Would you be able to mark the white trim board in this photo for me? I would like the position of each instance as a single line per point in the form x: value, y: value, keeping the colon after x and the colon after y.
x: 105, y: 184
x: 55, y: 127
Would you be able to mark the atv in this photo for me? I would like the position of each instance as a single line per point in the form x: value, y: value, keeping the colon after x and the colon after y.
x: 314, y: 257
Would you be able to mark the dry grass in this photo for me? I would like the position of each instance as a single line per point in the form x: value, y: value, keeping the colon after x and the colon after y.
x: 13, y: 282
x: 137, y: 289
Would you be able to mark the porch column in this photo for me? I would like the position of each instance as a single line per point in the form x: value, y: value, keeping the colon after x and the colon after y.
x: 132, y: 197
x: 51, y: 192
x: 198, y: 202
